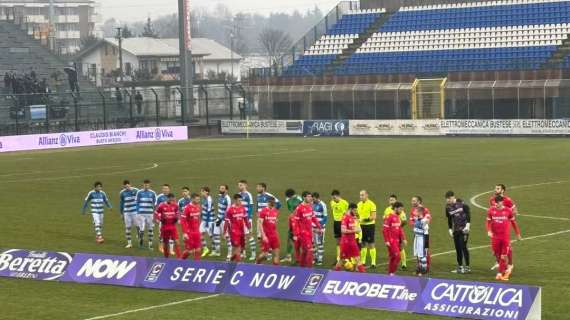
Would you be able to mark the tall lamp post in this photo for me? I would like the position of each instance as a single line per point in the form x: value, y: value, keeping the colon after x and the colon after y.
x: 185, y: 58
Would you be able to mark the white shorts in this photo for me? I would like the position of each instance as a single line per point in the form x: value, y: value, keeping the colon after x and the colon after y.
x: 145, y: 222
x: 207, y: 227
x: 98, y: 219
x: 246, y: 230
x: 318, y: 238
x: 218, y: 230
x: 130, y: 220
x: 419, y: 246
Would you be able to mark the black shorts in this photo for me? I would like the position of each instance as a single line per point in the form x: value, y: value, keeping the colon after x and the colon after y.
x: 368, y: 231
x: 337, y: 229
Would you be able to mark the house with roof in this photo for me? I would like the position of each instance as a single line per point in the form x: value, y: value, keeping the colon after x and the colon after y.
x: 158, y: 59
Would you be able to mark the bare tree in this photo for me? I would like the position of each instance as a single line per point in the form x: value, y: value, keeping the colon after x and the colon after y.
x: 275, y: 43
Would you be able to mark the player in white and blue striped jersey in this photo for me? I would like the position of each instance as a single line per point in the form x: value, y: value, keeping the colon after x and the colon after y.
x: 321, y: 212
x: 263, y: 198
x: 161, y: 198
x: 128, y: 209
x: 146, y: 201
x: 224, y: 202
x: 185, y: 200
x: 247, y: 203
x: 98, y: 200
x: 208, y: 220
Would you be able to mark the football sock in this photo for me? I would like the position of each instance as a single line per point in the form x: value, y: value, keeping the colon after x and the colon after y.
x: 403, y: 255
x: 252, y: 246
x: 363, y: 254
x: 372, y: 256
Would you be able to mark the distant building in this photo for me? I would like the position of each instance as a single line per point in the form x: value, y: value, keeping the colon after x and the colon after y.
x: 73, y: 20
x: 157, y: 58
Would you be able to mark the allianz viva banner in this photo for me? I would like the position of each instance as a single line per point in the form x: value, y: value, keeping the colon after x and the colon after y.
x: 92, y: 138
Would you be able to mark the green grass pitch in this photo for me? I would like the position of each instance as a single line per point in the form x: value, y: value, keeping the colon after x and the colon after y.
x: 42, y: 194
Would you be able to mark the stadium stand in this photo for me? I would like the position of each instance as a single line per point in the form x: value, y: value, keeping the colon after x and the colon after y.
x: 347, y: 34
x: 443, y: 38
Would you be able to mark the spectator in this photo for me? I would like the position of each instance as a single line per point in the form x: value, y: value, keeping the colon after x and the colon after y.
x: 119, y: 97
x: 7, y: 82
x: 139, y: 102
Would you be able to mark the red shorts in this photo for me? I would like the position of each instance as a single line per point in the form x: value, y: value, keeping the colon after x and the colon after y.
x: 349, y: 249
x: 305, y: 242
x: 394, y: 248
x: 193, y: 241
x: 169, y: 234
x: 501, y: 246
x: 272, y: 243
x: 237, y: 240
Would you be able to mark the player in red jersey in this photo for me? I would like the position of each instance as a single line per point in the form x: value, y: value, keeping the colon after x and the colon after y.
x: 500, y: 190
x: 394, y: 237
x: 418, y: 202
x: 499, y: 220
x: 348, y: 246
x: 267, y: 224
x: 303, y: 230
x: 167, y: 215
x: 236, y: 222
x: 190, y: 221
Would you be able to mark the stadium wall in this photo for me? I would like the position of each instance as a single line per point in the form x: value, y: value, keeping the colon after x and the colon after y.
x: 441, y: 128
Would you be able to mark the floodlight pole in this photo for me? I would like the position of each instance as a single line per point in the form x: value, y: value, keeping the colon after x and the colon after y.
x: 185, y: 58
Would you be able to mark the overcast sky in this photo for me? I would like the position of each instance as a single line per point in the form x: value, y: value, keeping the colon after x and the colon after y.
x: 129, y: 10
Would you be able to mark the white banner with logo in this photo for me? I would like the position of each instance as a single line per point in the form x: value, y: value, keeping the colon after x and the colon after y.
x: 395, y: 128
x: 262, y: 126
x: 92, y: 138
x: 506, y: 127
x: 458, y: 127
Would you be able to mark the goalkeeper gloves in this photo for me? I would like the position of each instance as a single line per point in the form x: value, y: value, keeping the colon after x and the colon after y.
x: 467, y: 228
x: 451, y: 233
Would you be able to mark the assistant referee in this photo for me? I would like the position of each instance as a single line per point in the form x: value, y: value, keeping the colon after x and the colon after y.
x: 367, y: 215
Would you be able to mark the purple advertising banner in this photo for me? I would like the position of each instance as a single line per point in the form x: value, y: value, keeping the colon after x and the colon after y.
x: 37, y: 265
x: 92, y: 138
x: 477, y: 300
x: 195, y: 276
x: 104, y: 269
x: 275, y: 282
x: 370, y: 291
x: 450, y: 298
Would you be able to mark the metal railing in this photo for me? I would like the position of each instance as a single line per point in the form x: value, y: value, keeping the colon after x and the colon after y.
x: 111, y: 108
x: 520, y: 99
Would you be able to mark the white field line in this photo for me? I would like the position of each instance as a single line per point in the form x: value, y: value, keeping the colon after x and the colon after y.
x: 26, y: 173
x: 488, y: 245
x: 473, y: 199
x: 152, y: 307
x: 253, y: 155
x: 154, y: 166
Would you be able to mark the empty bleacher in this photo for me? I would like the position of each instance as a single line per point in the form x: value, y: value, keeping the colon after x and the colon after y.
x: 438, y: 39
x: 342, y: 34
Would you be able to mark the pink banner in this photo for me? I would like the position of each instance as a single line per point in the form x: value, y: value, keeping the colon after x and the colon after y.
x: 92, y: 138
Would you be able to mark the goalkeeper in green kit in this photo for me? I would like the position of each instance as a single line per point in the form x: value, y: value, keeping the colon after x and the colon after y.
x: 293, y: 200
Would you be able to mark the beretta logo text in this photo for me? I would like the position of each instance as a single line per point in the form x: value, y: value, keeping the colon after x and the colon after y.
x: 38, y: 265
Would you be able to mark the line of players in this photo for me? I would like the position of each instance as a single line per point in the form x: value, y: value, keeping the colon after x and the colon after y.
x: 354, y: 226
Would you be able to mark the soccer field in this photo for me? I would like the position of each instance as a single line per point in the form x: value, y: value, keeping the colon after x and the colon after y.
x: 42, y: 194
